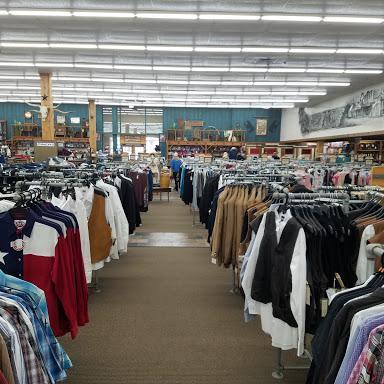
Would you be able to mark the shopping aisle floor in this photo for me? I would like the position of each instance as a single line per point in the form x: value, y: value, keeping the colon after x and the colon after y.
x: 165, y: 315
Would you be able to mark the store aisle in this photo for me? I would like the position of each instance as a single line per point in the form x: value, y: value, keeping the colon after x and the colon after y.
x: 165, y: 315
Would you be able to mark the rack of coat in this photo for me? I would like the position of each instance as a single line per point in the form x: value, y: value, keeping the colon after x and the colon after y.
x: 298, y: 243
x: 30, y: 353
x: 348, y: 345
x: 55, y: 265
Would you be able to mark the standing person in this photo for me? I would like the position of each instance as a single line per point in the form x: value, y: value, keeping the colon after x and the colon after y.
x: 232, y: 154
x: 175, y: 168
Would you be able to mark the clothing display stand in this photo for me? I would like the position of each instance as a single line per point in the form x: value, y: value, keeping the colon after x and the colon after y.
x: 278, y: 372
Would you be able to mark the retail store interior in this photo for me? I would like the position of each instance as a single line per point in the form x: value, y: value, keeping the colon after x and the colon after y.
x: 191, y: 192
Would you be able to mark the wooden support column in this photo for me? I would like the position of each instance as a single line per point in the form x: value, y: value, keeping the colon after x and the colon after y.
x: 48, y: 124
x: 92, y: 124
x: 319, y: 149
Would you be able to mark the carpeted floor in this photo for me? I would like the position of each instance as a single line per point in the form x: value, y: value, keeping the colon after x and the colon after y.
x: 165, y: 315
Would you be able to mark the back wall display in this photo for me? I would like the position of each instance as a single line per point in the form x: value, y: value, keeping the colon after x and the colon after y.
x: 229, y: 118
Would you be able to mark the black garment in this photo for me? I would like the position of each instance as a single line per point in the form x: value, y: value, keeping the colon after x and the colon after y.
x: 129, y: 203
x: 281, y: 281
x: 261, y: 284
x: 321, y: 337
x: 187, y: 195
x: 299, y: 188
x: 232, y: 153
x: 209, y: 192
x: 212, y: 214
x: 177, y: 181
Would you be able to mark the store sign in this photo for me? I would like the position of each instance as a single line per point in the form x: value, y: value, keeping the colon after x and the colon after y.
x: 44, y: 144
x: 75, y: 120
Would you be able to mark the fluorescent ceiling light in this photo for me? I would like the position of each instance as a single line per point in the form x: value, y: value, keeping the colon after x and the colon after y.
x: 171, y: 68
x: 106, y: 80
x: 245, y: 83
x: 122, y: 47
x: 210, y: 69
x: 45, y: 13
x: 332, y: 84
x: 291, y: 18
x: 96, y: 66
x: 360, y: 51
x: 312, y: 50
x: 203, y: 82
x: 3, y: 12
x: 286, y: 70
x: 60, y: 65
x: 265, y: 49
x: 134, y: 67
x: 140, y: 81
x: 229, y: 17
x: 240, y: 69
x: 73, y: 45
x: 324, y: 70
x: 169, y: 48
x: 364, y: 71
x: 218, y: 49
x: 103, y: 14
x: 167, y: 15
x: 24, y: 45
x: 15, y: 64
x: 352, y: 19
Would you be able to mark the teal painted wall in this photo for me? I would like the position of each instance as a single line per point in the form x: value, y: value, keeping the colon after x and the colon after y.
x: 14, y: 112
x: 233, y: 118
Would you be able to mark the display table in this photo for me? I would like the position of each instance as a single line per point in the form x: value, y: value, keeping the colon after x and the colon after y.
x: 160, y: 190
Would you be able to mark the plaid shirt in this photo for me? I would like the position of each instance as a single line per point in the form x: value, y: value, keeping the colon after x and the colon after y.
x: 47, y: 350
x: 370, y: 366
x: 34, y: 370
x: 36, y: 298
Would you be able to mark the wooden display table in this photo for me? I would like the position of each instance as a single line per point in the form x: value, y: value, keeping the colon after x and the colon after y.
x: 160, y: 190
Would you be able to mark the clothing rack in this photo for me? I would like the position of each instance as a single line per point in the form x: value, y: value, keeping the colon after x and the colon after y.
x: 293, y: 197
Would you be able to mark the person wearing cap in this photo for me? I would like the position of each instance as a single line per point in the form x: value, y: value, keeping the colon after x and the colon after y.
x: 175, y: 168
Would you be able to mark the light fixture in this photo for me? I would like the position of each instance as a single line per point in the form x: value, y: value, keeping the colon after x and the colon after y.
x: 312, y: 50
x: 170, y: 68
x: 15, y: 64
x: 352, y: 19
x: 133, y: 67
x: 167, y: 15
x: 324, y: 70
x: 210, y: 69
x: 240, y: 69
x: 140, y: 81
x: 265, y: 49
x: 169, y: 48
x: 42, y: 12
x: 300, y: 18
x: 360, y: 51
x: 103, y: 14
x: 59, y: 65
x: 95, y: 66
x: 23, y: 45
x: 218, y: 49
x: 122, y: 47
x: 228, y: 17
x: 286, y: 70
x: 3, y: 12
x: 364, y: 71
x: 73, y: 45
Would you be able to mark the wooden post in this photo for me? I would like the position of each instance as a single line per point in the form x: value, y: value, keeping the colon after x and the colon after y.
x: 319, y: 149
x: 48, y: 124
x: 92, y: 124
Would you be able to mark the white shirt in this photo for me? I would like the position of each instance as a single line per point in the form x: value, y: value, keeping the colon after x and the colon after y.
x: 283, y: 336
x: 121, y: 222
x: 78, y: 209
x: 365, y: 266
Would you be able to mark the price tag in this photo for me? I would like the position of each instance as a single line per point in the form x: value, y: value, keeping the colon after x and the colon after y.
x: 308, y: 295
x: 324, y: 307
x: 213, y: 260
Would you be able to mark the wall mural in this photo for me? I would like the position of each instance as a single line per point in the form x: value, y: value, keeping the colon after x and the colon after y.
x: 363, y: 107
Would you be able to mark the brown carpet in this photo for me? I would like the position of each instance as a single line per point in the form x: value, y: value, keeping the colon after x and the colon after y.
x: 165, y: 315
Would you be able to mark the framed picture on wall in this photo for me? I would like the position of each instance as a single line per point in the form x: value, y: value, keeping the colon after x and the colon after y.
x: 261, y: 127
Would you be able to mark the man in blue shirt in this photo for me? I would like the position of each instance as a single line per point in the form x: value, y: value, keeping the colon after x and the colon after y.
x: 175, y: 168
